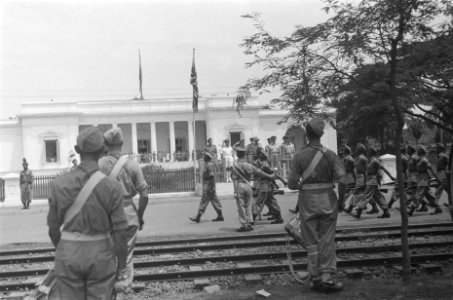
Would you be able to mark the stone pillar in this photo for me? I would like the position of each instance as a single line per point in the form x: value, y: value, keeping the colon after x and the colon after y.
x: 191, y: 138
x: 153, y: 138
x: 12, y: 190
x: 134, y: 138
x: 172, y: 140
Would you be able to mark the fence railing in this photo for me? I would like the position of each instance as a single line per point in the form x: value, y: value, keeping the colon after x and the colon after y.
x: 2, y: 190
x: 162, y: 180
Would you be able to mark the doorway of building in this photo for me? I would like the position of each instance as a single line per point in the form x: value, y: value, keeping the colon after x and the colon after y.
x: 235, y: 137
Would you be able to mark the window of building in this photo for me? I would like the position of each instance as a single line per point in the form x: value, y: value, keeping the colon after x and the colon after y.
x: 51, y: 151
x: 144, y: 146
x: 180, y: 144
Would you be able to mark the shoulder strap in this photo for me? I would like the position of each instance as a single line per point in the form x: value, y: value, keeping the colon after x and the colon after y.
x: 119, y: 164
x: 83, y: 196
x: 308, y: 171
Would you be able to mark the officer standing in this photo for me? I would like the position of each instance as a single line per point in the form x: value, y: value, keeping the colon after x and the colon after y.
x: 372, y: 192
x: 241, y: 174
x: 251, y: 150
x: 26, y: 184
x: 318, y: 206
x: 85, y: 263
x: 129, y: 174
x: 423, y: 188
x: 209, y: 193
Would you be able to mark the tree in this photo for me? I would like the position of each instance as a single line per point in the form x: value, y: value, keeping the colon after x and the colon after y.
x: 316, y: 60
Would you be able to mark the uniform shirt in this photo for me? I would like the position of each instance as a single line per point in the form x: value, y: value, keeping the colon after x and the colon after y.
x: 251, y: 152
x: 265, y: 183
x: 361, y: 163
x: 288, y: 150
x: 246, y: 170
x: 211, y: 150
x: 441, y: 166
x: 372, y: 171
x: 208, y: 177
x: 328, y: 169
x: 423, y: 166
x: 103, y: 211
x: 26, y: 177
x: 132, y: 181
x: 349, y: 167
x: 273, y: 149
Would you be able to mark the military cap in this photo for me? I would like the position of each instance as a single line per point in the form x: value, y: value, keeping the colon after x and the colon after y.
x: 317, y: 125
x: 346, y: 148
x: 360, y: 147
x: 256, y: 138
x: 421, y: 148
x: 402, y: 149
x: 114, y: 136
x: 252, y: 138
x: 90, y: 139
x: 410, y: 147
x: 210, y: 139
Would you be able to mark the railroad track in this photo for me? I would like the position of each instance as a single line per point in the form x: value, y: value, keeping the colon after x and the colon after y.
x: 153, y: 257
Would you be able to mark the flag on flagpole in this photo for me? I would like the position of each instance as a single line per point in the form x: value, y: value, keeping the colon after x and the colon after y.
x: 140, y: 74
x: 194, y: 83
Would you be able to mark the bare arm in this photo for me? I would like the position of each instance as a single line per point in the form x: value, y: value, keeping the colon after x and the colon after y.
x: 142, y: 204
x: 120, y: 247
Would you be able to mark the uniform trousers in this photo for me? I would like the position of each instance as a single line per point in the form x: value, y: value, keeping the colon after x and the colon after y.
x: 209, y: 196
x: 318, y: 211
x: 266, y: 198
x: 244, y: 202
x: 85, y: 270
x: 424, y: 192
x: 25, y: 194
x: 131, y: 235
x: 372, y: 194
x: 439, y: 190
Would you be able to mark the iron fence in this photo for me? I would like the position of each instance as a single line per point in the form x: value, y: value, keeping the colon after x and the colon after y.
x: 162, y: 180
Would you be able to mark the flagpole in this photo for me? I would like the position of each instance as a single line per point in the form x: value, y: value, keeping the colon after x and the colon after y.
x: 140, y: 74
x: 194, y: 134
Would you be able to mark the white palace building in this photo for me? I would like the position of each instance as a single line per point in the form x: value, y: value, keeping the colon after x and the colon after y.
x: 155, y: 130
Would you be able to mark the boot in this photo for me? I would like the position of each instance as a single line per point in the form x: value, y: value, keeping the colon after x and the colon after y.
x: 195, y: 219
x: 349, y: 209
x: 267, y: 214
x: 374, y: 209
x: 272, y: 217
x: 278, y: 219
x: 437, y: 210
x: 357, y: 213
x: 411, y: 210
x: 391, y: 203
x: 385, y: 214
x: 219, y: 218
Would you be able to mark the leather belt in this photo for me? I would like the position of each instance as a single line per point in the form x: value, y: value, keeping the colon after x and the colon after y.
x: 77, y: 236
x: 316, y: 186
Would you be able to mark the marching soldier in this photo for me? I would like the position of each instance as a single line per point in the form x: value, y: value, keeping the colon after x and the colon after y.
x: 313, y: 171
x: 90, y: 205
x: 372, y: 191
x: 361, y: 162
x: 404, y: 161
x: 211, y: 149
x: 241, y: 174
x: 350, y: 177
x: 441, y: 169
x: 26, y: 184
x: 129, y: 174
x: 209, y: 192
x: 266, y: 194
x: 423, y: 188
x: 412, y: 162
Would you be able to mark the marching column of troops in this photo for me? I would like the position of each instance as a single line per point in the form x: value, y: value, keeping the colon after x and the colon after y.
x: 93, y: 221
x: 364, y: 178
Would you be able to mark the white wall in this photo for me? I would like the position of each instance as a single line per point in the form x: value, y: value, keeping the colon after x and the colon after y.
x: 11, y: 151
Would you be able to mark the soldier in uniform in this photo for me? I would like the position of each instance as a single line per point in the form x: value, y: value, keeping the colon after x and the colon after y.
x: 287, y: 151
x: 441, y: 169
x: 86, y: 261
x: 318, y: 206
x: 251, y: 150
x: 423, y: 189
x: 266, y: 194
x: 361, y: 162
x: 26, y: 184
x: 411, y: 172
x: 350, y: 177
x: 372, y: 191
x: 209, y: 193
x: 211, y: 149
x: 129, y: 174
x: 241, y: 174
x: 274, y: 154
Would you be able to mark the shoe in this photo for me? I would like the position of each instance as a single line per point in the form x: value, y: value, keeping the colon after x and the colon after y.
x: 357, y: 213
x: 243, y: 228
x: 195, y: 219
x: 248, y: 227
x: 277, y: 221
x: 437, y: 210
x: 422, y: 208
x: 385, y: 214
x: 267, y: 214
x: 411, y: 210
x: 218, y: 219
x: 331, y: 287
x: 349, y: 209
x: 316, y: 286
x: 272, y: 217
x: 373, y: 211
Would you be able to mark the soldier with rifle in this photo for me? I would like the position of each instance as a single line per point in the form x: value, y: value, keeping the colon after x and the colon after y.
x: 349, y: 180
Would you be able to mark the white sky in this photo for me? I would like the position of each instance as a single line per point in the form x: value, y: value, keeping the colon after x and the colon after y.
x: 88, y: 50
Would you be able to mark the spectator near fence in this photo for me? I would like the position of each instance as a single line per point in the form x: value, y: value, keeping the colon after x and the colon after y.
x: 287, y: 154
x: 26, y: 184
x: 226, y: 153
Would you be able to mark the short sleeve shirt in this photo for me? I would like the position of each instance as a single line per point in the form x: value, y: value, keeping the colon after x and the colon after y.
x: 209, y: 177
x: 103, y: 211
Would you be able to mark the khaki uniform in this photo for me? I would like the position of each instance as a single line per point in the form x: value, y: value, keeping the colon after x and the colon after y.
x: 86, y: 269
x: 131, y: 178
x: 266, y: 194
x: 441, y: 169
x: 26, y: 183
x: 372, y: 192
x: 318, y: 206
x: 273, y: 151
x: 423, y: 189
x: 287, y: 150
